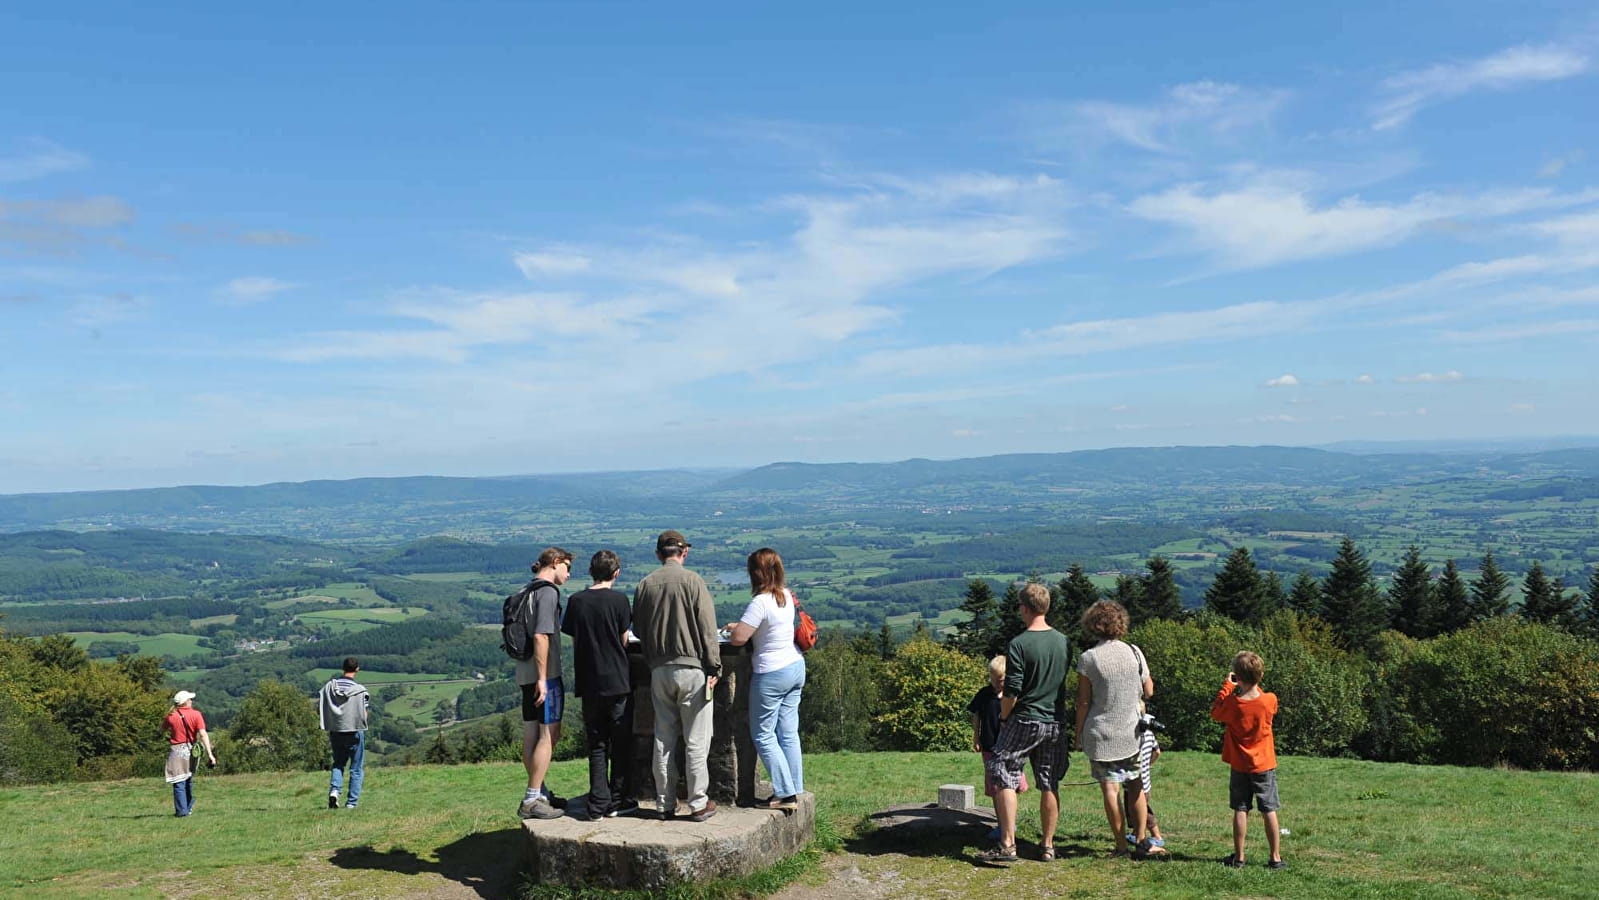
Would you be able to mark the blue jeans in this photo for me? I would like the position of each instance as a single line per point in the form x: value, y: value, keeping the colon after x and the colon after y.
x: 349, y: 751
x: 183, y: 796
x: 774, y: 725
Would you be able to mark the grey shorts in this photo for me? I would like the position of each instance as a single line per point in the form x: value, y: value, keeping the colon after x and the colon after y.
x: 1021, y: 740
x: 1253, y: 788
x: 1115, y: 771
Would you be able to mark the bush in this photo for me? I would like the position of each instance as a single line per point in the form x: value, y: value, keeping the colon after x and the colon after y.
x: 276, y: 730
x: 925, y: 691
x: 1188, y: 661
x: 841, y: 693
x: 1505, y: 691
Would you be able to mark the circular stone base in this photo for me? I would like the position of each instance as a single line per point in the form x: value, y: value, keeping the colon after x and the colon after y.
x: 641, y: 851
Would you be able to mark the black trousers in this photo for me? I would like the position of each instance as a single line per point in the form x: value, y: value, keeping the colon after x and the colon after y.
x: 608, y: 731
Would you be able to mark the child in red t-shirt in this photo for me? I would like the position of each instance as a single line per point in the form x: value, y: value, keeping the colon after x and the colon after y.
x: 1247, y: 746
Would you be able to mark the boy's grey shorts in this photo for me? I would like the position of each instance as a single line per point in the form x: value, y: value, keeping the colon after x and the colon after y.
x: 1259, y: 788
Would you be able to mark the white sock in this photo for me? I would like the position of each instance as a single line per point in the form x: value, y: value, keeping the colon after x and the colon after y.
x: 530, y: 794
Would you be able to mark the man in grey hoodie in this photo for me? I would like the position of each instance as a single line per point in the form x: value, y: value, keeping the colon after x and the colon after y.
x: 344, y: 705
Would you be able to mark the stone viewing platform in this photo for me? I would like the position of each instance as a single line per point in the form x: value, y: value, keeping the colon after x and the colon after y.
x: 641, y: 851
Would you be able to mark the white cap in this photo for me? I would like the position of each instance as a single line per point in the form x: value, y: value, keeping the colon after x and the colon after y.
x: 182, y: 697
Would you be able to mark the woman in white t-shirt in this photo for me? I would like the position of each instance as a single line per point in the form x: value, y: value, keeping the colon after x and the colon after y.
x: 779, y: 677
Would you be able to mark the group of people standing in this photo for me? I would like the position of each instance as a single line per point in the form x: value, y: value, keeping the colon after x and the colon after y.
x: 1112, y: 729
x: 673, y: 620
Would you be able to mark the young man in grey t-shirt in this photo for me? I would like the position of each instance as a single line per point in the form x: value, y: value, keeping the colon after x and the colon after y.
x: 543, y: 694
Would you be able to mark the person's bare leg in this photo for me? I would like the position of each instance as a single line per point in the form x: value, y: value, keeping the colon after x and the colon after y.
x: 1274, y: 837
x: 1113, y: 813
x: 1048, y: 815
x: 1005, y: 810
x: 1140, y: 821
x: 537, y: 758
x: 1240, y: 830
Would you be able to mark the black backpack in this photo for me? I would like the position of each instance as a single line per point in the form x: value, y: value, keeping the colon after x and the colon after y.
x: 516, y: 621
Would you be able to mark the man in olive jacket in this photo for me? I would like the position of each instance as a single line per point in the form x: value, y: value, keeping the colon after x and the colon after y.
x: 675, y: 621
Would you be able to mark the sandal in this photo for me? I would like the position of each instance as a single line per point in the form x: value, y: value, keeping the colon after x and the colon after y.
x: 1046, y: 854
x: 997, y: 854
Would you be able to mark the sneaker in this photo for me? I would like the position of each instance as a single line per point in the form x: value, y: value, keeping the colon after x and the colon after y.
x: 538, y: 808
x: 1131, y: 841
x: 622, y: 808
x: 1232, y: 862
x: 333, y: 801
x: 703, y: 814
x: 1277, y: 865
x: 349, y: 806
x: 666, y: 812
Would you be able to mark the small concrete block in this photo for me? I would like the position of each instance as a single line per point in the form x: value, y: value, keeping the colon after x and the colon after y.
x: 956, y: 796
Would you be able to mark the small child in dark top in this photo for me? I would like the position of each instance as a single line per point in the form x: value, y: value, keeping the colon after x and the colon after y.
x: 985, y: 721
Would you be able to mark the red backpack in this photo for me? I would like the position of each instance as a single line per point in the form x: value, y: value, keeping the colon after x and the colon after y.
x: 804, y: 626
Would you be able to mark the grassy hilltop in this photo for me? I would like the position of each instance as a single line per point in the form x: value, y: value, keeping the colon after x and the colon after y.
x: 1358, y: 829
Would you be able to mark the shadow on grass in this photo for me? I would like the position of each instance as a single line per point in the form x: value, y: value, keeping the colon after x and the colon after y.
x: 486, y: 862
x: 930, y: 831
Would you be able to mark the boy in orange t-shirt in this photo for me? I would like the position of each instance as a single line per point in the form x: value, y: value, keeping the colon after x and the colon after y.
x: 1247, y: 746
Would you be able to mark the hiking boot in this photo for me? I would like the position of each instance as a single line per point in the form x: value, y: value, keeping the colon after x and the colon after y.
x: 538, y: 808
x: 1232, y: 862
x: 705, y: 813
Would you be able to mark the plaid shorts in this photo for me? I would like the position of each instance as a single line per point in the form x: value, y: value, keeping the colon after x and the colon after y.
x: 1021, y: 740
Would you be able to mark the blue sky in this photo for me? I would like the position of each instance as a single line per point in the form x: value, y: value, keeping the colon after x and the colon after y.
x: 335, y: 240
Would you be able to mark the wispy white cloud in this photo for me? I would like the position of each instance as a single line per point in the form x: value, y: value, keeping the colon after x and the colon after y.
x: 1405, y: 94
x: 1168, y: 125
x: 111, y: 309
x: 1287, y: 380
x: 551, y: 262
x: 687, y: 310
x: 1272, y: 220
x: 1494, y: 334
x: 1365, y: 379
x: 253, y: 289
x: 1556, y: 165
x: 1449, y: 377
x: 38, y: 158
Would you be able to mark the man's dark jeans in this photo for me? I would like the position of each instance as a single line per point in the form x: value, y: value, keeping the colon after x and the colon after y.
x: 608, y: 730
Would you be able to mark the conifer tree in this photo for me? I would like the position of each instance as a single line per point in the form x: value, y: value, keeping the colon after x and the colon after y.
x: 439, y: 753
x: 978, y: 635
x: 1451, y: 600
x: 1129, y: 592
x: 1237, y: 591
x: 1274, y: 595
x: 1490, y: 592
x: 1536, y: 601
x: 1010, y: 620
x: 885, y: 641
x: 1305, y: 596
x: 1162, y: 598
x: 1587, y: 614
x: 1410, y: 597
x: 1545, y: 599
x: 1074, y: 595
x: 1351, y: 603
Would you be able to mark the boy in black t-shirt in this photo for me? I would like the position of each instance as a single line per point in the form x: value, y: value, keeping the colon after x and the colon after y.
x: 985, y: 726
x: 598, y: 620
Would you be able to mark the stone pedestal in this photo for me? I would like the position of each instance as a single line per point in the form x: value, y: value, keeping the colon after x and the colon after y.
x: 644, y: 853
x: 732, y: 758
